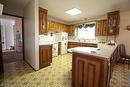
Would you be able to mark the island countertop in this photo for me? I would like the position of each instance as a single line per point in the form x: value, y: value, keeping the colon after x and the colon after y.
x: 105, y: 51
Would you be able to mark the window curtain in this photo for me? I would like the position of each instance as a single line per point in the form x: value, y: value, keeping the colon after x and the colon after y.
x: 85, y: 26
x: 86, y: 31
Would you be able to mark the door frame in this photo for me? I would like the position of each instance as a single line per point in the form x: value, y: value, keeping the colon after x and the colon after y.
x: 22, y: 30
x: 1, y: 59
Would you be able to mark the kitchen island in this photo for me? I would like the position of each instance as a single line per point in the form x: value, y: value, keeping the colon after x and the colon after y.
x: 92, y: 67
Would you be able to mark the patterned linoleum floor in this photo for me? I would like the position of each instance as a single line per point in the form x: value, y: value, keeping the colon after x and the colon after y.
x: 20, y: 74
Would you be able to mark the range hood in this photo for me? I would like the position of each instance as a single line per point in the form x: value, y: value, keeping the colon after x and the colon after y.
x: 1, y: 9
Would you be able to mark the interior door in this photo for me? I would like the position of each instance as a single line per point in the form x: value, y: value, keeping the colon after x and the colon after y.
x: 1, y: 59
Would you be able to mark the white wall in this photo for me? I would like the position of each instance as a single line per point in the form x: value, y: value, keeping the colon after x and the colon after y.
x: 31, y: 34
x: 37, y: 34
x: 11, y: 10
x: 1, y: 8
x: 124, y: 35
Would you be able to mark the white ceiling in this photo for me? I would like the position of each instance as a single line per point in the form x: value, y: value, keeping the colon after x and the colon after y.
x: 89, y: 8
x: 19, y: 4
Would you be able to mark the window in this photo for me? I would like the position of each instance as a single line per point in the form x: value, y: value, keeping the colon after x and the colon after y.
x: 86, y: 32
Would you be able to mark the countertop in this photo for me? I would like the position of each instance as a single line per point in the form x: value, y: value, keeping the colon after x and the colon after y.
x: 105, y: 51
x: 47, y: 43
x: 94, y: 42
x: 50, y: 43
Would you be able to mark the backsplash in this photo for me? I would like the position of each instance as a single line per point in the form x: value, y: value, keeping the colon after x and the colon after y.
x: 47, y: 38
x: 51, y: 38
x: 98, y: 38
x: 105, y: 38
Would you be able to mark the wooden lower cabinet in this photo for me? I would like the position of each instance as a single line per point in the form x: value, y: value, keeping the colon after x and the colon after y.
x: 89, y: 71
x: 80, y: 44
x: 45, y: 55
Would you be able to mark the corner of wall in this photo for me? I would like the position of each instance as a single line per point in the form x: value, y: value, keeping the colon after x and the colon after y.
x: 36, y: 35
x: 31, y: 34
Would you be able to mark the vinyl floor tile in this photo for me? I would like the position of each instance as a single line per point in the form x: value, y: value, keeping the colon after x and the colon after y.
x: 20, y: 74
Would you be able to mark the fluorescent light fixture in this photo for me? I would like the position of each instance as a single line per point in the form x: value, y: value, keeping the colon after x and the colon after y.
x: 73, y: 11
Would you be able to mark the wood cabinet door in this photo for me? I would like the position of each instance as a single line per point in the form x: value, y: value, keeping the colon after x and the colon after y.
x: 105, y: 28
x: 71, y: 30
x: 89, y: 71
x: 49, y: 25
x: 65, y: 28
x: 42, y: 21
x: 113, y: 22
x: 101, y: 28
x: 80, y: 44
x: 45, y: 55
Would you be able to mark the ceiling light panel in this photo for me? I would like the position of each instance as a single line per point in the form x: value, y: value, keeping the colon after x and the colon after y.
x: 73, y: 11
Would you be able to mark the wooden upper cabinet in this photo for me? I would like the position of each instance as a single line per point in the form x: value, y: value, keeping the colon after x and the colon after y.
x: 71, y: 30
x: 101, y: 28
x: 42, y: 21
x: 113, y: 22
x: 56, y: 27
x: 65, y: 28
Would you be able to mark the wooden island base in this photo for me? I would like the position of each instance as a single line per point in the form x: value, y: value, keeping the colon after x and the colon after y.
x: 91, y: 70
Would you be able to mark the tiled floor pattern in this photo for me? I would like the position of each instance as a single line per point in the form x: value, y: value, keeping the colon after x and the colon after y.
x: 121, y: 76
x: 20, y: 74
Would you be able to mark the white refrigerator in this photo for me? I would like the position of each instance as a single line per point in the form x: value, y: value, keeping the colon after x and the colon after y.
x: 62, y: 37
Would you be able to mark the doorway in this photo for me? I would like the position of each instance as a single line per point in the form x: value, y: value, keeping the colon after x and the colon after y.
x: 12, y: 38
